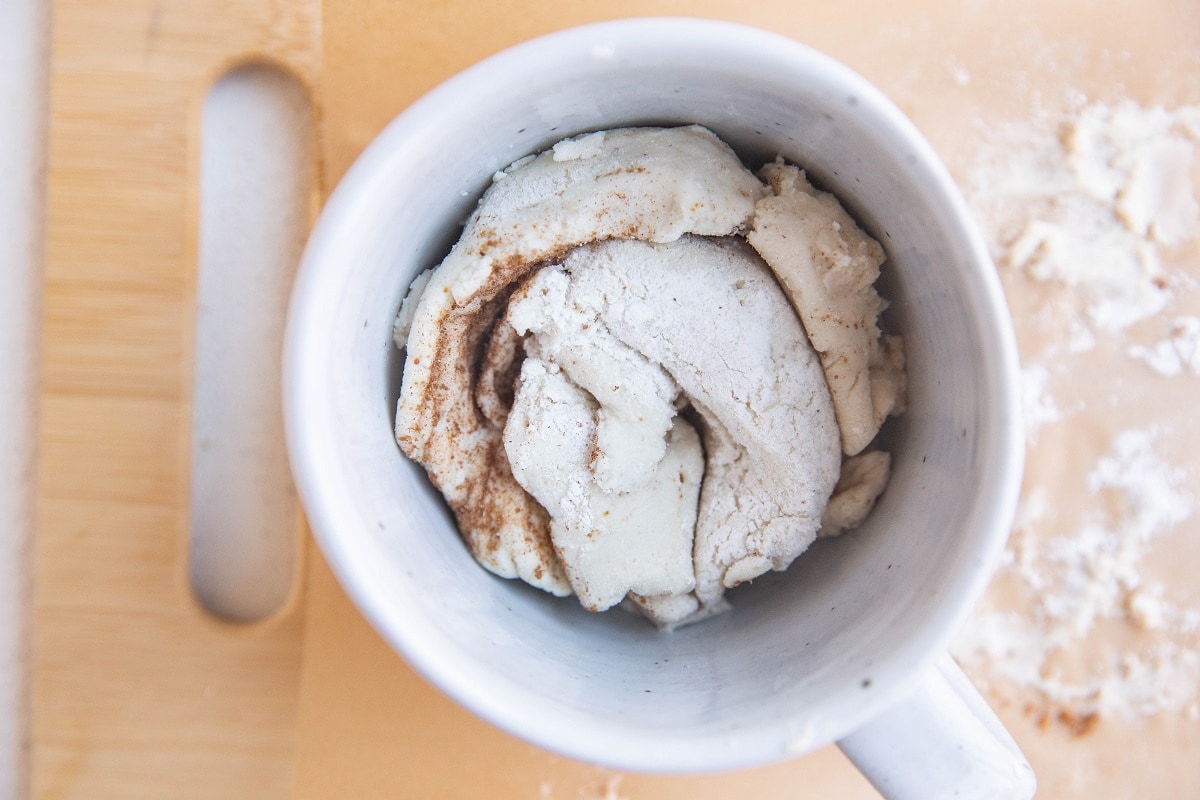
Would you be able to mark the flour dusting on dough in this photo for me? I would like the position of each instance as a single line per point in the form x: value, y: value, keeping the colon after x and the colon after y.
x: 612, y: 302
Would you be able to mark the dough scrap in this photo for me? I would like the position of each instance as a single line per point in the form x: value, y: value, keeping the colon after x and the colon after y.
x: 828, y: 267
x: 610, y: 543
x: 642, y: 183
x: 711, y: 314
x: 863, y: 479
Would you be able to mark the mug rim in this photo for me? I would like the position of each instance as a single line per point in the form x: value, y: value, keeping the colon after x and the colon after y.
x: 311, y: 288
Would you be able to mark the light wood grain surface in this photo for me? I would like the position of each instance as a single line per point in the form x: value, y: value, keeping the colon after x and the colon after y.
x: 137, y: 693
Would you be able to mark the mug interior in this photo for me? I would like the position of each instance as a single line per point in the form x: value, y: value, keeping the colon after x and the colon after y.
x: 805, y: 656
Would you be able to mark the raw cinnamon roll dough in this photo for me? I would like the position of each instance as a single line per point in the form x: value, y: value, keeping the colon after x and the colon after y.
x: 829, y: 267
x: 600, y: 318
x: 625, y: 317
x: 641, y: 183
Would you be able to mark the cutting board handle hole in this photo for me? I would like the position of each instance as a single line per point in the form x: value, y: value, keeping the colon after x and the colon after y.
x: 256, y: 179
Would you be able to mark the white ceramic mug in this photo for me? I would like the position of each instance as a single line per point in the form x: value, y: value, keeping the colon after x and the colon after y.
x: 845, y: 646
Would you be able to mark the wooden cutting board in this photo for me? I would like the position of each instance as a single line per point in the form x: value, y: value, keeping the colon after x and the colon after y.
x: 137, y: 692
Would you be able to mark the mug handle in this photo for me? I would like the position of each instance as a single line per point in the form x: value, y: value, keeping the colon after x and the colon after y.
x: 940, y: 741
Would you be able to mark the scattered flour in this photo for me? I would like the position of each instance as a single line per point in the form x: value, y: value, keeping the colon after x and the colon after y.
x: 1088, y: 214
x: 612, y: 789
x: 1097, y: 569
x: 1139, y: 161
x: 1092, y: 576
x: 1178, y: 353
x: 1038, y: 407
x: 958, y: 72
x: 1089, y: 204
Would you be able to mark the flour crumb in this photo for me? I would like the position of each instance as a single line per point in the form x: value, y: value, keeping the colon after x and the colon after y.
x: 958, y: 73
x: 1146, y: 608
x: 1140, y: 160
x: 1038, y: 405
x: 1080, y: 339
x: 611, y: 790
x: 1176, y: 354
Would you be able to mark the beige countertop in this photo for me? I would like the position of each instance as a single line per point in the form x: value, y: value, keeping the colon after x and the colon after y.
x: 1083, y: 634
